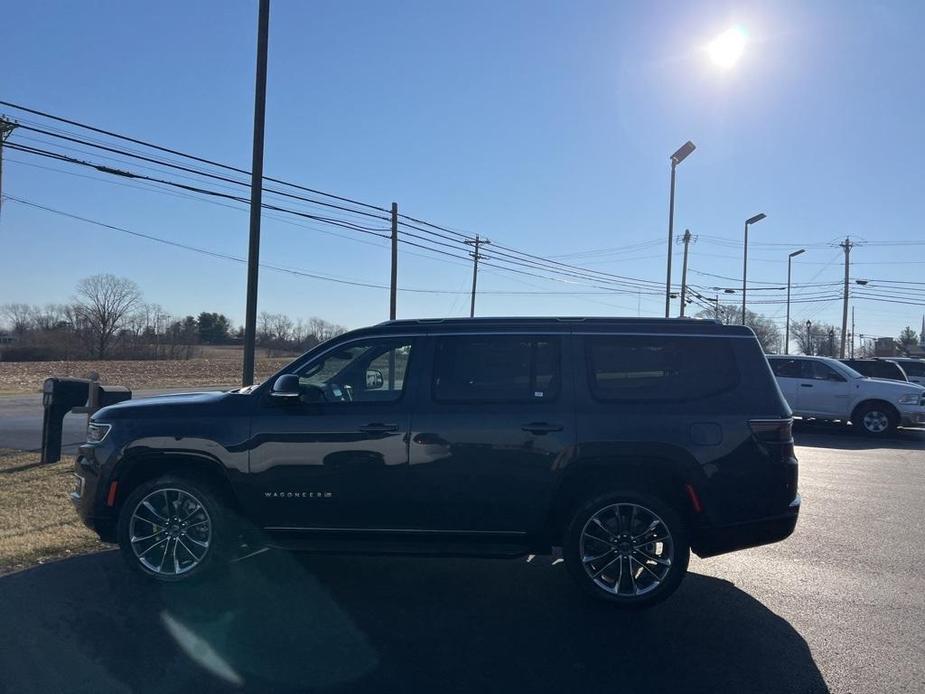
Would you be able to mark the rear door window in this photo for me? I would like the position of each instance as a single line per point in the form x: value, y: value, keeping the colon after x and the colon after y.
x: 497, y: 368
x: 787, y: 368
x: 630, y: 367
x: 914, y: 368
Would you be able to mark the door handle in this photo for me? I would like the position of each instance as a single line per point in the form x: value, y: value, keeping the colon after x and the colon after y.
x: 378, y: 428
x: 541, y: 427
x: 806, y: 385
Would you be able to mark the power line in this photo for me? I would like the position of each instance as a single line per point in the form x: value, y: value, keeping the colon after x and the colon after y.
x: 516, y: 258
x: 186, y: 155
x: 206, y: 174
x: 281, y: 268
x: 196, y: 189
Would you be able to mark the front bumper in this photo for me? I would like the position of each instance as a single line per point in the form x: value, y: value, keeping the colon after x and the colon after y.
x: 912, y: 417
x: 722, y: 539
x: 89, y: 493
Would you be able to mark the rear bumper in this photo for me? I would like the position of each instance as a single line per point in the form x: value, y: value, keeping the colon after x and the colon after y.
x: 719, y: 540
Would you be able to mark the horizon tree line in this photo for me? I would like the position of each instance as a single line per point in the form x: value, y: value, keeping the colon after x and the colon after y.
x: 108, y: 318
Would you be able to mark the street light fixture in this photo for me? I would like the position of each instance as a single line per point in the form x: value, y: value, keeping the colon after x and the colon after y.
x: 750, y: 220
x: 787, y: 325
x: 676, y: 158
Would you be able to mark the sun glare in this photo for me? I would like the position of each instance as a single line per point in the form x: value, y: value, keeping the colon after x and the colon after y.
x: 726, y: 49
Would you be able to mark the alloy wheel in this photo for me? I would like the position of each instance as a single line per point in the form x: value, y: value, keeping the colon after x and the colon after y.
x: 876, y: 421
x: 626, y: 549
x: 170, y: 532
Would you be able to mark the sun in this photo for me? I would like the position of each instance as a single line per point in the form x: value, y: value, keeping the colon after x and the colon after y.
x: 726, y: 49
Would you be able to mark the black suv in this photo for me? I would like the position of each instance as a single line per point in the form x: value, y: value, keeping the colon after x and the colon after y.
x: 877, y: 368
x: 626, y: 442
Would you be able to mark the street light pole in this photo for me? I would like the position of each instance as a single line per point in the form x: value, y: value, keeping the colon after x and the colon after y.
x: 750, y: 220
x: 787, y: 325
x: 676, y: 159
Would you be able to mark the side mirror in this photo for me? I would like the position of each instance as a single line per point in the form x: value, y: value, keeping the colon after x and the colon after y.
x: 374, y: 379
x: 286, y: 386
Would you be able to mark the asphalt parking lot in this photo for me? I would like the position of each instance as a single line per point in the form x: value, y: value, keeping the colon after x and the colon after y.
x: 838, y: 607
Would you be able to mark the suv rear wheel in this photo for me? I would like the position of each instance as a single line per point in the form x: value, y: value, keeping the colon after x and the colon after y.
x: 173, y: 529
x: 628, y: 549
x: 875, y: 419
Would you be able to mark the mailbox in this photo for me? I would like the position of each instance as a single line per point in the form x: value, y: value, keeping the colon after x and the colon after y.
x: 62, y: 395
x: 59, y: 396
x: 110, y: 395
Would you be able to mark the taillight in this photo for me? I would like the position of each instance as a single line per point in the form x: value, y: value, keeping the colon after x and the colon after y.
x: 776, y: 432
x: 772, y: 430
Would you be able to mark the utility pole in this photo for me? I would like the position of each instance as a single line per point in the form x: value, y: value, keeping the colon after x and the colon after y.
x: 393, y: 292
x: 253, y: 251
x: 477, y: 243
x: 686, y: 240
x: 716, y: 306
x: 6, y: 127
x: 847, y: 246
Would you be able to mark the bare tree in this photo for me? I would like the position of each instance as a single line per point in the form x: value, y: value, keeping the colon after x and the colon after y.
x: 50, y: 317
x: 103, y: 303
x: 20, y: 317
x: 814, y: 339
x: 281, y: 326
x: 766, y: 330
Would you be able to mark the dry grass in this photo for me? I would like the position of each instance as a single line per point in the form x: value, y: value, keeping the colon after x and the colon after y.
x: 37, y: 521
x: 27, y: 376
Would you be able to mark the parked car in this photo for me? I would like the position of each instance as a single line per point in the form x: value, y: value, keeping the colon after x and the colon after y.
x: 877, y: 368
x: 825, y: 388
x: 626, y: 443
x: 914, y: 368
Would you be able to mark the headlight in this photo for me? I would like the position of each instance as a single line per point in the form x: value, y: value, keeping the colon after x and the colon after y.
x: 910, y: 399
x: 96, y: 432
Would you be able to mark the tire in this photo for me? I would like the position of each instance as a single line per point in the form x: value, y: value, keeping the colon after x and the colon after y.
x: 629, y: 574
x: 154, y: 515
x: 875, y: 419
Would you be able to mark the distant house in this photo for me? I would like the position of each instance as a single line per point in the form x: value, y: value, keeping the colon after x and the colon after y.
x: 888, y: 347
x: 7, y: 338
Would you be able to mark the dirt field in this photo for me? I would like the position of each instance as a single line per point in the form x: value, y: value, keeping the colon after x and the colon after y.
x: 27, y: 376
x: 37, y: 521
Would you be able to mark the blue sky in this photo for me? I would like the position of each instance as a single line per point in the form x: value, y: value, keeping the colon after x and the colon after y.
x: 545, y: 126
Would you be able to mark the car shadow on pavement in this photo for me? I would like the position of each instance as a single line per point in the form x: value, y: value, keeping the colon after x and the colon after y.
x: 834, y: 435
x: 280, y: 622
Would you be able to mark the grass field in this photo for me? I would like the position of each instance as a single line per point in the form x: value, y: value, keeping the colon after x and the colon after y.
x: 37, y: 521
x: 27, y: 376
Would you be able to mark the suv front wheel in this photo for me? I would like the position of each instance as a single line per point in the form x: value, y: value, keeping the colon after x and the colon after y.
x: 630, y: 550
x: 875, y: 419
x: 172, y: 528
